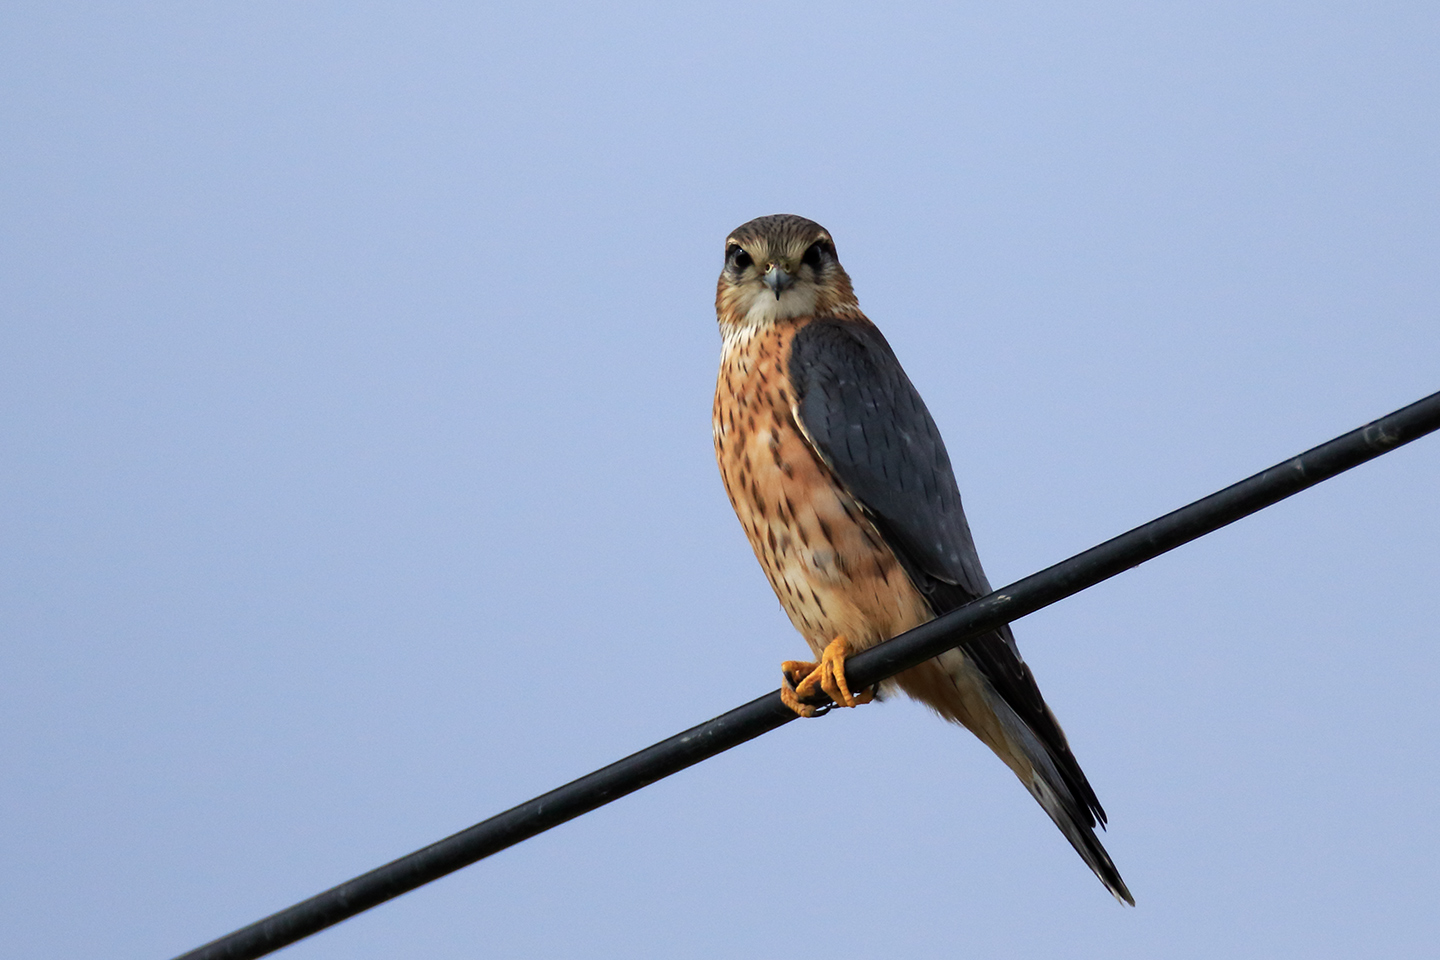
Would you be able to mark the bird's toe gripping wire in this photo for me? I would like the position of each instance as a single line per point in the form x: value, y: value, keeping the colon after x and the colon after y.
x: 802, y: 677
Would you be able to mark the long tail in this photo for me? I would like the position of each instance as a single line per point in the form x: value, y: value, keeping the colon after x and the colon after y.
x: 958, y: 690
x: 1048, y: 787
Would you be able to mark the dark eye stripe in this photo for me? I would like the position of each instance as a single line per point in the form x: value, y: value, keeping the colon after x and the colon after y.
x: 816, y: 253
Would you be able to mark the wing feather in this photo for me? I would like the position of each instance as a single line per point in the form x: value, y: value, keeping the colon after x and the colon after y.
x: 868, y: 424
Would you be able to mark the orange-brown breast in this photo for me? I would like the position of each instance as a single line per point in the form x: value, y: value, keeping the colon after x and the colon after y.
x: 830, y: 568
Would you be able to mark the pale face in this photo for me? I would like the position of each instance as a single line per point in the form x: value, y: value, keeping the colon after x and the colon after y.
x: 767, y: 280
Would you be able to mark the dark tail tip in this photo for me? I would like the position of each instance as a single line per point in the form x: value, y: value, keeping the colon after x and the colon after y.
x: 1082, y: 837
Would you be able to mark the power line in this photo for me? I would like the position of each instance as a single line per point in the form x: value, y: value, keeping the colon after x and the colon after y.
x: 766, y: 713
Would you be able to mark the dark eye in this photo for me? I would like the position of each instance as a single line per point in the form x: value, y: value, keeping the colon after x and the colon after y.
x: 738, y: 258
x: 816, y: 254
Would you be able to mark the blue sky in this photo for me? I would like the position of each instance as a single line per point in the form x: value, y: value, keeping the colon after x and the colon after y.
x: 356, y: 480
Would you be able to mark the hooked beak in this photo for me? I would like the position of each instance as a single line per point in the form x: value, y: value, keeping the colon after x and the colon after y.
x: 778, y: 280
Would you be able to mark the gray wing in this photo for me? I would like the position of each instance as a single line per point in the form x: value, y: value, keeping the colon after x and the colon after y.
x: 871, y: 428
x: 873, y: 431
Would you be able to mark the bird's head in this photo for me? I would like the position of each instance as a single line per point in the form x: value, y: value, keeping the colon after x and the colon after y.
x: 778, y: 268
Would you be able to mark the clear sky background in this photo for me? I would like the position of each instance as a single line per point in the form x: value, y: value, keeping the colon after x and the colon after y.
x: 357, y: 480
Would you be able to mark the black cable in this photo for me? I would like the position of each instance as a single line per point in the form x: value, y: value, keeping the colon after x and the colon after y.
x: 766, y: 713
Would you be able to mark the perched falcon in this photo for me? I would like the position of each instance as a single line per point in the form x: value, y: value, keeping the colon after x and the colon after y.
x: 842, y: 483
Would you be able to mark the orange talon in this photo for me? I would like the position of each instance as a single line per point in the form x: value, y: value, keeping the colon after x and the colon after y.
x: 793, y: 673
x: 802, y: 678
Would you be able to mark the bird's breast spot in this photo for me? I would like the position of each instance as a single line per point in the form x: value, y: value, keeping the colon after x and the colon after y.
x: 822, y: 561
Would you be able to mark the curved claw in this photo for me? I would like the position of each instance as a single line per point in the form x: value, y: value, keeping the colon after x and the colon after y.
x: 792, y: 674
x: 802, y: 678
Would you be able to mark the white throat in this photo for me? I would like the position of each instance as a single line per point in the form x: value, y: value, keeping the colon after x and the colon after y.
x: 758, y: 307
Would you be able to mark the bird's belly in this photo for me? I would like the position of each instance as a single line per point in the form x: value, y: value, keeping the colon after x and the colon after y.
x: 832, y: 572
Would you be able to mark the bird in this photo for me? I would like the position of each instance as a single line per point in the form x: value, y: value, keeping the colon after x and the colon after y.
x: 844, y: 488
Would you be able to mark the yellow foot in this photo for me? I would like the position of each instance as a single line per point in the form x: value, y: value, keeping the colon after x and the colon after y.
x: 802, y: 677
